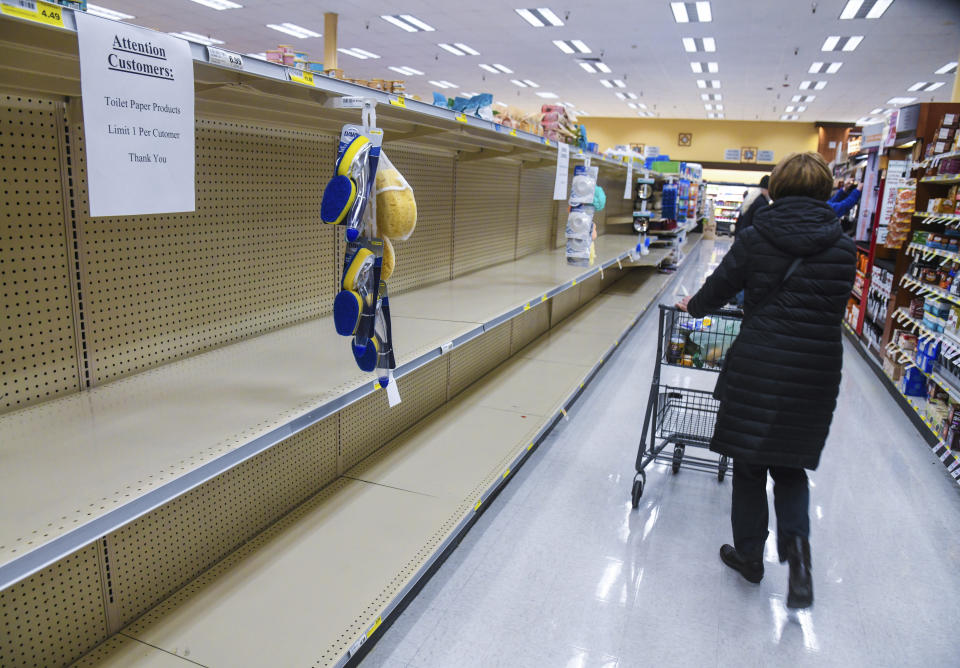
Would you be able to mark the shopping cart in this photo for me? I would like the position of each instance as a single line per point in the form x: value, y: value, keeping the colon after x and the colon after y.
x: 683, y: 416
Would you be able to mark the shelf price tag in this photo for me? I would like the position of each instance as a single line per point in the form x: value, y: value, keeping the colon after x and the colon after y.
x: 301, y: 77
x: 32, y: 10
x: 513, y: 132
x: 398, y: 101
x: 461, y: 118
x: 224, y: 58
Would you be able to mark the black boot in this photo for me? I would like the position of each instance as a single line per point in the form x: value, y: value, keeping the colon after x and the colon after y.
x: 797, y: 553
x: 752, y: 571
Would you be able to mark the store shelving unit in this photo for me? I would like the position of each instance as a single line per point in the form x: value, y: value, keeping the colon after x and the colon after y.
x: 193, y: 402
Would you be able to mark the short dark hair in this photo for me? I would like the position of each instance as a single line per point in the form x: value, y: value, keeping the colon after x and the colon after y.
x: 802, y: 174
x: 765, y: 181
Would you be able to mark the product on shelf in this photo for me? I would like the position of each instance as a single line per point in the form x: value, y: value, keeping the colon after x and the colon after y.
x: 580, y: 227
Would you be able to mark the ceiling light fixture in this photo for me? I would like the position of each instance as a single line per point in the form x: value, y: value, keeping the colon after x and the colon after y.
x: 531, y: 84
x: 517, y: 82
x: 632, y: 96
x: 606, y: 83
x: 925, y: 86
x: 716, y: 97
x: 470, y: 51
x: 691, y: 12
x: 407, y: 22
x: 949, y: 68
x: 358, y: 53
x: 789, y: 117
x: 408, y: 71
x: 836, y: 43
x: 865, y: 9
x: 571, y: 46
x: 878, y: 110
x: 695, y: 44
x: 548, y: 96
x: 199, y: 39
x: 700, y: 68
x: 622, y: 96
x: 452, y: 49
x: 489, y: 68
x: 828, y: 68
x: 443, y: 84
x: 588, y: 68
x: 539, y: 17
x: 218, y: 4
x: 708, y: 107
x: 631, y: 105
x: 803, y: 98
x: 503, y: 68
x: 106, y: 13
x: 293, y: 30
x: 603, y: 67
x: 898, y: 101
x: 619, y: 83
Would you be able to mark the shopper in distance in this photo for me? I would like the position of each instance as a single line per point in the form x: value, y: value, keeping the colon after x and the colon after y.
x: 778, y: 388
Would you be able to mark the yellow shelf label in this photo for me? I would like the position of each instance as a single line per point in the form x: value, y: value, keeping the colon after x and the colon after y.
x: 530, y: 447
x: 461, y: 118
x: 399, y: 101
x: 506, y: 473
x: 543, y: 298
x: 547, y: 142
x: 526, y: 307
x: 32, y: 10
x: 305, y: 78
x: 513, y: 132
x: 376, y: 625
x: 574, y: 283
x: 477, y: 507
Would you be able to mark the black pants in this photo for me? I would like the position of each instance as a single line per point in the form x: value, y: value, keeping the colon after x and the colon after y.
x: 749, y: 516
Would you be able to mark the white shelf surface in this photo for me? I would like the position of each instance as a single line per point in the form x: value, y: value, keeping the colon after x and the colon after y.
x: 419, y: 490
x: 127, y: 447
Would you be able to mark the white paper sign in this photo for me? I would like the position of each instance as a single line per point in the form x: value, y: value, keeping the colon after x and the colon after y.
x: 732, y: 154
x: 628, y: 186
x: 764, y: 156
x: 138, y: 120
x: 563, y: 171
x: 651, y: 151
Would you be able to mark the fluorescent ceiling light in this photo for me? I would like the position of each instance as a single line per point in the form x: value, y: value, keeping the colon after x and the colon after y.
x: 199, y: 39
x: 489, y: 68
x: 106, y: 13
x: 789, y: 117
x: 691, y: 12
x: 443, y: 84
x: 701, y: 83
x: 619, y: 83
x: 790, y: 109
x: 407, y: 22
x: 531, y: 84
x: 631, y: 105
x: 700, y: 68
x: 632, y: 96
x: 448, y: 84
x: 708, y: 107
x: 358, y: 53
x: 452, y: 49
x: 539, y: 17
x: 622, y: 96
x: 548, y: 96
x: 606, y: 83
x: 897, y: 101
x: 949, y: 68
x: 588, y: 67
x: 503, y: 68
x: 828, y: 68
x: 294, y: 30
x: 603, y: 67
x: 709, y: 44
x: 865, y: 9
x: 925, y: 86
x: 568, y: 105
x: 218, y: 4
x: 571, y: 46
x: 803, y: 98
x: 473, y: 94
x: 801, y: 108
x: 470, y: 51
x: 878, y: 110
x: 714, y: 115
x: 837, y: 43
x: 716, y: 97
x: 517, y: 82
x: 708, y: 84
x: 408, y: 71
x: 640, y: 105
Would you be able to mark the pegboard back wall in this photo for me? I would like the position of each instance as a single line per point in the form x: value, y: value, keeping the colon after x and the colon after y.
x: 38, y: 350
x: 252, y: 258
x: 425, y: 258
x: 485, y: 214
x: 536, y: 211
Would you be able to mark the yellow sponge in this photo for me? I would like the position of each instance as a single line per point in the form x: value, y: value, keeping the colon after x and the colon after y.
x: 396, y: 205
x: 389, y: 260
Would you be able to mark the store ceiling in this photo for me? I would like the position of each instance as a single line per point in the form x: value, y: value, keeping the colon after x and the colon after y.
x: 764, y: 50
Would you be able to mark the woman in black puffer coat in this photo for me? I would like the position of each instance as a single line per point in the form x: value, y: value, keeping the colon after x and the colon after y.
x: 783, y: 377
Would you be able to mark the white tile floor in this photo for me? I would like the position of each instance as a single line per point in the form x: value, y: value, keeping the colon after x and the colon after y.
x: 561, y: 571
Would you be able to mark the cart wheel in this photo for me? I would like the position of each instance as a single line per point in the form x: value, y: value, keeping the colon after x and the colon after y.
x: 722, y: 469
x: 677, y: 458
x: 637, y: 491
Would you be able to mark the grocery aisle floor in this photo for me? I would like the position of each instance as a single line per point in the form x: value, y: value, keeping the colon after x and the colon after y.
x: 561, y: 571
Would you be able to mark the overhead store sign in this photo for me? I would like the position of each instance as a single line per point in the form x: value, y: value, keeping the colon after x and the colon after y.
x: 651, y: 152
x: 732, y: 154
x: 764, y: 156
x: 137, y: 88
x: 873, y: 135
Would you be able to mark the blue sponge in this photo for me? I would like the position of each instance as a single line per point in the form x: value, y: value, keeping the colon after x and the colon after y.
x: 366, y: 355
x: 346, y: 312
x: 338, y: 197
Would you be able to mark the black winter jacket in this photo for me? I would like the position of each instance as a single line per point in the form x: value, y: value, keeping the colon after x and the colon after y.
x: 784, y: 375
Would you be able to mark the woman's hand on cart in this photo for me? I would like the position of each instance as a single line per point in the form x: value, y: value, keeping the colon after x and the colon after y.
x: 682, y: 304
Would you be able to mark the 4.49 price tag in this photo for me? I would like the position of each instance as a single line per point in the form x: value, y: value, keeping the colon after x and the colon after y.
x: 32, y: 10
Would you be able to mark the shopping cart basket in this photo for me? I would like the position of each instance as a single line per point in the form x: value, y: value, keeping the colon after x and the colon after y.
x: 681, y: 416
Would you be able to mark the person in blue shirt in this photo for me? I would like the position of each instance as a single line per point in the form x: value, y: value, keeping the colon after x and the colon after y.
x: 845, y: 199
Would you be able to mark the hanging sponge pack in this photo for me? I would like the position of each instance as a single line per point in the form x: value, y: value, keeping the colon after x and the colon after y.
x: 396, y: 205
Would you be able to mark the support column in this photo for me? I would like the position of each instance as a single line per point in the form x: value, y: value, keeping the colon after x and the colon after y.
x: 330, y: 41
x: 956, y: 84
